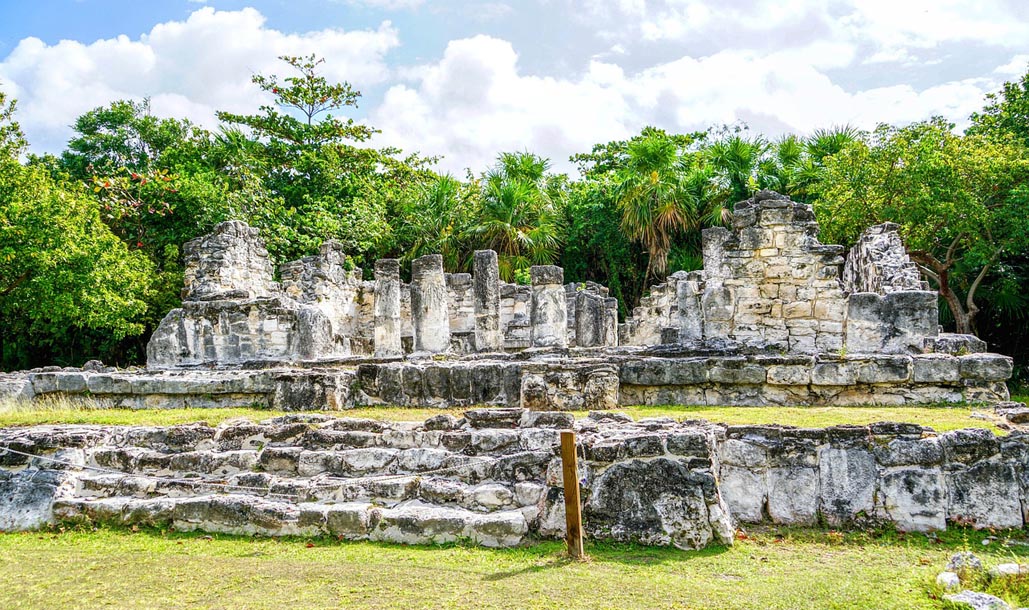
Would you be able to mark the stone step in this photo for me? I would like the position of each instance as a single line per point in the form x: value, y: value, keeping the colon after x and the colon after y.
x: 483, y: 497
x: 413, y: 522
x: 299, y: 462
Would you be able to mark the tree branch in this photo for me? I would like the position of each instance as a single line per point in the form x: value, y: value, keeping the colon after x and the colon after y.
x: 17, y: 281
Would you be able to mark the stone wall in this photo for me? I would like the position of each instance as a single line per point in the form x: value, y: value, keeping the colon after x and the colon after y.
x: 769, y: 283
x: 585, y: 381
x: 853, y: 475
x: 494, y: 477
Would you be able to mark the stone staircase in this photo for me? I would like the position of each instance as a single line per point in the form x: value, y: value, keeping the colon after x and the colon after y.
x: 441, y: 481
x: 491, y: 477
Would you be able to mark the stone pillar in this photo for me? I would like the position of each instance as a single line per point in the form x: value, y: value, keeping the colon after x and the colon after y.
x: 429, y: 310
x: 548, y: 316
x: 691, y: 311
x: 589, y: 319
x: 486, y: 298
x: 387, y: 308
x: 611, y: 322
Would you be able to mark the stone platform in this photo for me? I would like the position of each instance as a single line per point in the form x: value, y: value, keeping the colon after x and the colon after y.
x: 543, y: 380
x: 493, y: 477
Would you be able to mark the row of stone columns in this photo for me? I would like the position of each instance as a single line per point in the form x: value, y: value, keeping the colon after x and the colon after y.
x: 596, y: 316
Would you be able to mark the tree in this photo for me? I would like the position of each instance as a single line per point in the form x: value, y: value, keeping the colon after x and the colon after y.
x: 309, y: 161
x: 436, y: 219
x: 309, y: 94
x: 12, y: 140
x: 1006, y: 113
x: 960, y: 200
x: 519, y: 213
x: 653, y: 198
x: 737, y: 163
x: 62, y: 271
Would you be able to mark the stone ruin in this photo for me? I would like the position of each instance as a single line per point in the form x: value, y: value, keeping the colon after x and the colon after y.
x: 494, y: 477
x: 774, y: 318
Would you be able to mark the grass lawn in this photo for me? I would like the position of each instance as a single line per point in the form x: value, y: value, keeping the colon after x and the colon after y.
x: 796, y: 568
x: 940, y: 418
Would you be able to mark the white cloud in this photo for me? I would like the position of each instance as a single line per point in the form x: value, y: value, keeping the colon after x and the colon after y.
x: 189, y: 68
x: 887, y: 30
x: 476, y: 101
x: 389, y: 5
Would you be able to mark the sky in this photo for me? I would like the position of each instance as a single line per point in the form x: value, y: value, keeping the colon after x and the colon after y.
x: 467, y: 80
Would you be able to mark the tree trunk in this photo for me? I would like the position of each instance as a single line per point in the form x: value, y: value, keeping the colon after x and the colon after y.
x: 939, y: 272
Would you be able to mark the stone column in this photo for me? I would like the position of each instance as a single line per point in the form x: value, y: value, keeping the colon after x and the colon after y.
x: 589, y: 319
x: 429, y: 310
x: 691, y: 312
x: 611, y: 322
x: 387, y: 308
x: 486, y: 299
x: 548, y: 316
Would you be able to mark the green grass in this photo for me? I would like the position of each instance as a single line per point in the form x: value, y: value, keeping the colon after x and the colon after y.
x: 796, y: 568
x: 940, y: 418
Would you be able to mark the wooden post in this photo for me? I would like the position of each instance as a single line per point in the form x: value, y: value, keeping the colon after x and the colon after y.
x: 573, y: 505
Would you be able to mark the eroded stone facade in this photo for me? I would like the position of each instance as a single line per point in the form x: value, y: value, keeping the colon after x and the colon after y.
x: 494, y: 477
x: 774, y: 318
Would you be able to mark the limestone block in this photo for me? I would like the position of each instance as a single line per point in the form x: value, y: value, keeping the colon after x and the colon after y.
x: 793, y: 495
x: 955, y: 344
x: 387, y: 308
x: 724, y: 370
x: 969, y: 445
x: 489, y: 336
x: 885, y: 369
x: 986, y: 495
x: 909, y: 452
x: 986, y: 367
x: 914, y: 498
x: 429, y: 308
x: 589, y: 319
x: 548, y: 313
x: 935, y: 368
x: 898, y: 322
x: 847, y: 480
x: 744, y: 492
x: 658, y: 502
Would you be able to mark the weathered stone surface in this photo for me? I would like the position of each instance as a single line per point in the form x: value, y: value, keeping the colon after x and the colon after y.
x: 549, y: 310
x: 656, y: 502
x: 879, y: 263
x: 847, y: 484
x: 489, y: 336
x: 655, y: 481
x: 977, y: 601
x: 387, y: 308
x: 915, y: 498
x: 429, y: 311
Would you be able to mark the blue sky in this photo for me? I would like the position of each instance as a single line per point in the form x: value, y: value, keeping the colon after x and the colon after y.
x: 466, y: 80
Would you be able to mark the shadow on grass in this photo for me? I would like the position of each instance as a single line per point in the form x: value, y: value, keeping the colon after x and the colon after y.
x: 549, y: 554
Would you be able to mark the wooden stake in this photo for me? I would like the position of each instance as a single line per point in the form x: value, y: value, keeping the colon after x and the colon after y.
x: 573, y: 505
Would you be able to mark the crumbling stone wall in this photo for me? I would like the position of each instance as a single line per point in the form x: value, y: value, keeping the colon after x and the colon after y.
x: 903, y: 474
x: 494, y: 477
x: 770, y: 284
x: 231, y: 262
x: 879, y: 263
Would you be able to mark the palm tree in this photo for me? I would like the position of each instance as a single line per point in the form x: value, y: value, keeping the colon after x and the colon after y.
x: 435, y: 221
x: 519, y: 213
x: 654, y: 198
x: 736, y: 160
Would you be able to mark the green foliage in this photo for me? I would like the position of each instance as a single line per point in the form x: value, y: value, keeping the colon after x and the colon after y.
x: 12, y: 140
x: 960, y: 201
x: 62, y: 271
x: 1006, y: 114
x: 519, y: 213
